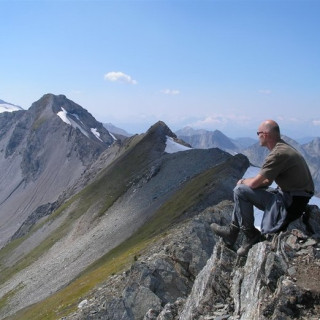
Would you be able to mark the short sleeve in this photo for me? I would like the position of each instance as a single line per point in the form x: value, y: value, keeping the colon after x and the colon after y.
x: 273, y: 166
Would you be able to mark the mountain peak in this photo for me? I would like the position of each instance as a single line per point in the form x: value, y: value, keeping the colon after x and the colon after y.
x: 201, y: 138
x: 53, y: 103
x: 52, y: 106
x: 162, y: 129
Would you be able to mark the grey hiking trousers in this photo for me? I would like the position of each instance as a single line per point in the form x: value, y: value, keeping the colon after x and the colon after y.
x: 245, y: 199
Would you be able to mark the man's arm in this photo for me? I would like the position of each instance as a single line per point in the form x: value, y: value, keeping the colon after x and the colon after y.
x: 256, y: 182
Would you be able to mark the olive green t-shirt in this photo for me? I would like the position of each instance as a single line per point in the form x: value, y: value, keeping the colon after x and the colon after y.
x: 286, y: 166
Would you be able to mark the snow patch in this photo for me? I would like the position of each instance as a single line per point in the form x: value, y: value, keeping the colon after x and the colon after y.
x: 96, y: 133
x: 113, y: 137
x: 64, y: 116
x: 7, y: 107
x: 172, y: 146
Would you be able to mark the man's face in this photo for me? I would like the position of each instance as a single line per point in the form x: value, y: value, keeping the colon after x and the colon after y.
x: 262, y: 135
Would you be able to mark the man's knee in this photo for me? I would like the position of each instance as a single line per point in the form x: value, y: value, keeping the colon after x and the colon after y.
x: 240, y: 190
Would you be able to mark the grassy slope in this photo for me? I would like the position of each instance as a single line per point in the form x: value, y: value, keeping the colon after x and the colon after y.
x: 104, y: 191
x: 66, y: 300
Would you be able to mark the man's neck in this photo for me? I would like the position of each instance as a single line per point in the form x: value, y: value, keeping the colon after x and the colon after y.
x: 271, y: 144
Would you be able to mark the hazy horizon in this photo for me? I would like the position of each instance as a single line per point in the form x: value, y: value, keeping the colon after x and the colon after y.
x: 250, y: 134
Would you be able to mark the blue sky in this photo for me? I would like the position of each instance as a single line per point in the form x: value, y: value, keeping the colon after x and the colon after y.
x: 224, y: 65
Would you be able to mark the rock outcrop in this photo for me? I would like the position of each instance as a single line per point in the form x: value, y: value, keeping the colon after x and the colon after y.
x: 191, y: 274
x: 278, y: 280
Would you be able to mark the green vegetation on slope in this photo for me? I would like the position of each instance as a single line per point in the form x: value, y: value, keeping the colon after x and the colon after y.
x: 103, y: 192
x: 66, y: 300
x: 111, y: 183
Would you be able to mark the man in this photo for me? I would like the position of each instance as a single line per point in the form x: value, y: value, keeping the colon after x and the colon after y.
x: 284, y: 165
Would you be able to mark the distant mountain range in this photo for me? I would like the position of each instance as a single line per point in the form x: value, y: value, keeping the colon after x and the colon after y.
x: 80, y: 205
x: 204, y: 139
x: 117, y: 131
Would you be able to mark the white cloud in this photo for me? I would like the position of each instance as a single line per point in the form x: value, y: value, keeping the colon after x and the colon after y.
x: 170, y: 91
x: 316, y: 122
x: 210, y: 120
x: 221, y: 119
x: 117, y: 76
x: 288, y: 119
x: 265, y: 91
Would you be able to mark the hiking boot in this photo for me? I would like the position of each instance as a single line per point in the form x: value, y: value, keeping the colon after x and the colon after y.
x: 253, y: 236
x: 229, y: 234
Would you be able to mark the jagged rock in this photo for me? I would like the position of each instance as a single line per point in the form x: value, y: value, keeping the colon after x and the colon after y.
x: 138, y: 299
x: 278, y: 280
x: 211, y: 286
x: 272, y: 284
x: 34, y: 217
x: 170, y: 310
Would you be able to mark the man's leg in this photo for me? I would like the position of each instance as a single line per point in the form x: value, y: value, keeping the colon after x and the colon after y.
x: 245, y: 199
x: 243, y: 214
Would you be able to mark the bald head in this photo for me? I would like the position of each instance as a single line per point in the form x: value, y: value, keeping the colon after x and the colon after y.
x: 272, y: 128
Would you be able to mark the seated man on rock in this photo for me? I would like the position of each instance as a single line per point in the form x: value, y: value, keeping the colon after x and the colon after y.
x: 284, y: 165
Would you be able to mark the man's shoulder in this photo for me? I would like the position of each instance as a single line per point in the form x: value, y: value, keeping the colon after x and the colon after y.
x: 281, y: 151
x: 281, y: 145
x: 284, y: 150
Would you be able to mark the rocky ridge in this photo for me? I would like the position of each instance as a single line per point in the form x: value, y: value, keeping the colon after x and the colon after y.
x: 191, y: 275
x: 113, y: 198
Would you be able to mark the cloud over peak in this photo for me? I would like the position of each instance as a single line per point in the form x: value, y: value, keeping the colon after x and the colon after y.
x: 118, y: 76
x: 170, y: 91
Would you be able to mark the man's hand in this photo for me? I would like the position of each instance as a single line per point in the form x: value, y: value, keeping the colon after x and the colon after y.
x: 255, y: 182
